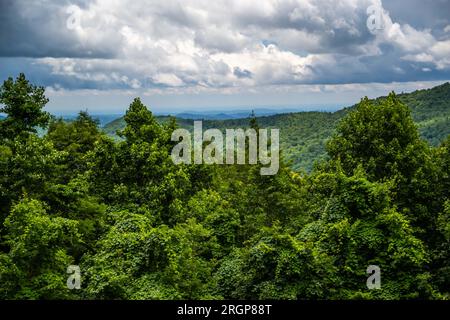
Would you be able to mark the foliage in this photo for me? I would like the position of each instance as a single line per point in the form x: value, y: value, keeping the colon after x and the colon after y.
x: 304, y: 134
x: 23, y: 104
x: 141, y: 227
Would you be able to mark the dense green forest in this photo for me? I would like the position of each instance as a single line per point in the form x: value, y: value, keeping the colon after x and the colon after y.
x: 140, y: 227
x: 304, y: 134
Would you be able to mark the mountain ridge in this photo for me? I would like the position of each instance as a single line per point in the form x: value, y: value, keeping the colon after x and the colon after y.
x: 304, y: 134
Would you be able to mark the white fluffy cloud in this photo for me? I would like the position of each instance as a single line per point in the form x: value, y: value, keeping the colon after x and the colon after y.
x: 115, y: 44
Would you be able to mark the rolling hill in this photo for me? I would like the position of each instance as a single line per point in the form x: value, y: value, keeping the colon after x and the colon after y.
x: 303, y: 134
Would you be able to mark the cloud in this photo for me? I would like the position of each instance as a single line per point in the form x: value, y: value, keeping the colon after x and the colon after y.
x: 222, y: 44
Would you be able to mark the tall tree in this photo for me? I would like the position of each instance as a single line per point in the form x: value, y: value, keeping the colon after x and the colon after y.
x: 23, y: 104
x: 76, y: 138
x: 382, y: 139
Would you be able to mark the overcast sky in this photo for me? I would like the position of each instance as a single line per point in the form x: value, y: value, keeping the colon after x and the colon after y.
x: 203, y: 54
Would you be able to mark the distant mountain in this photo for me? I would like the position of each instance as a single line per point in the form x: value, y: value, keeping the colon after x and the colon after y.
x: 118, y: 124
x: 103, y: 119
x: 214, y: 116
x: 195, y: 115
x: 233, y: 114
x: 303, y: 134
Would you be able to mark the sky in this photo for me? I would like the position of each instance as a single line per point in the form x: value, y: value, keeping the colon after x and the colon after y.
x: 223, y: 54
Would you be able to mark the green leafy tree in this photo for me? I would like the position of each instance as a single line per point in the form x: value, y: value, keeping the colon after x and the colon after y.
x: 39, y: 245
x: 137, y: 261
x: 29, y: 166
x: 357, y: 226
x: 77, y: 138
x: 383, y: 139
x: 23, y: 104
x: 139, y: 174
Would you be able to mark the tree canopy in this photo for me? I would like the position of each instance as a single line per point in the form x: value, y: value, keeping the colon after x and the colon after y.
x: 140, y: 227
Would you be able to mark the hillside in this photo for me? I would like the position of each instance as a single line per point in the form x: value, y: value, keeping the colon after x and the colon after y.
x: 303, y: 134
x: 431, y: 111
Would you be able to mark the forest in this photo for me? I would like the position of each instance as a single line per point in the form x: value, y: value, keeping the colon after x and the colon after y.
x: 304, y: 134
x: 140, y: 227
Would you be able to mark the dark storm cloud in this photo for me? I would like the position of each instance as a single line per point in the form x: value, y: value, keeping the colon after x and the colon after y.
x: 39, y: 29
x: 432, y: 14
x: 339, y: 27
